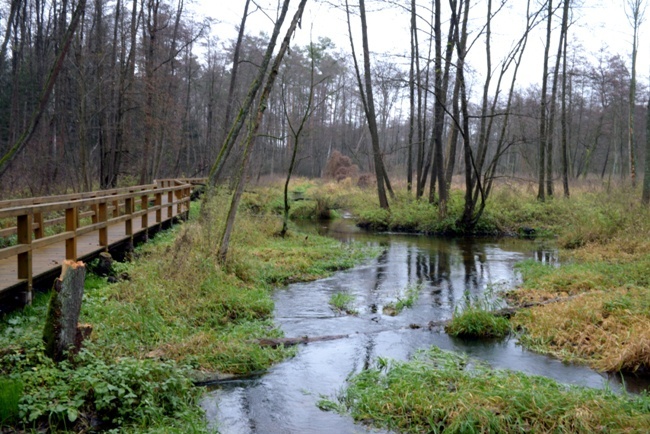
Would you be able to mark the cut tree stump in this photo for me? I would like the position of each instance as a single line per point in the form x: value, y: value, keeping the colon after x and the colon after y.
x: 62, y: 334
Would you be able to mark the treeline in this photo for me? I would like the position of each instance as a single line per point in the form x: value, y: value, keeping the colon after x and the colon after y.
x: 144, y: 92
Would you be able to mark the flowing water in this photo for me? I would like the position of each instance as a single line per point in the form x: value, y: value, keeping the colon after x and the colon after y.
x: 283, y: 400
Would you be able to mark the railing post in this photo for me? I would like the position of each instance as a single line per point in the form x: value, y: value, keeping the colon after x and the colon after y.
x: 144, y: 204
x: 71, y: 224
x: 102, y: 217
x: 179, y: 198
x: 116, y: 208
x: 24, y: 236
x: 128, y: 224
x: 94, y: 208
x: 159, y: 210
x: 188, y: 195
x: 170, y: 204
x: 39, y: 231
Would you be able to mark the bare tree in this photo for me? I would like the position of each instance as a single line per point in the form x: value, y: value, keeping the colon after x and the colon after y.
x: 645, y: 198
x: 543, y: 134
x: 252, y: 134
x: 635, y: 10
x: 367, y: 99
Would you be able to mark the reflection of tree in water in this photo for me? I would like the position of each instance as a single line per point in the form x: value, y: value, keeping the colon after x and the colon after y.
x: 546, y: 256
x: 474, y: 264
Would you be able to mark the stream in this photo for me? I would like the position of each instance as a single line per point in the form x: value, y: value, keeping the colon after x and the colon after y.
x: 283, y: 400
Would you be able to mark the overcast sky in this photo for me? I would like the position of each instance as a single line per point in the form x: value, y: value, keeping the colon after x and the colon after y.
x: 597, y: 24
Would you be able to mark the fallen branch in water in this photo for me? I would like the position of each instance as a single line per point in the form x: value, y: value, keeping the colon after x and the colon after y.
x: 287, y: 342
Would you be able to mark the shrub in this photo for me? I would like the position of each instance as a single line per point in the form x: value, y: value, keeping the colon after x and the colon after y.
x: 340, y: 167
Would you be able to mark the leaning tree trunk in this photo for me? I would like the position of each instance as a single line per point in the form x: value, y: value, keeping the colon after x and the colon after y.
x: 646, y: 175
x: 61, y: 334
x: 250, y: 139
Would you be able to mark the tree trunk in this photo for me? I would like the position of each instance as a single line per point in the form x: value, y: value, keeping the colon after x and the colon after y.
x: 367, y: 99
x: 238, y: 122
x: 565, y: 162
x: 551, y: 118
x: 60, y: 332
x: 636, y: 12
x: 250, y: 139
x: 543, y: 137
x: 645, y: 199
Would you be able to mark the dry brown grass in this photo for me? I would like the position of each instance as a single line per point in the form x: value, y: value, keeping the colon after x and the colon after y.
x: 594, y: 328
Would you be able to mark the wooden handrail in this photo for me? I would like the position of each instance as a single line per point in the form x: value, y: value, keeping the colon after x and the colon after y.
x: 83, y: 213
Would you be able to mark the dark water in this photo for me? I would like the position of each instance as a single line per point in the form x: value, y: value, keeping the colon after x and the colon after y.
x: 284, y: 399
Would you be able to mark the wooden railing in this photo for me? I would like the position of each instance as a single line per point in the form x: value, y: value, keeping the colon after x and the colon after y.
x: 45, y: 221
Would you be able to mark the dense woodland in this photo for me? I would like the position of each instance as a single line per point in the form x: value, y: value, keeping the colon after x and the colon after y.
x: 101, y: 93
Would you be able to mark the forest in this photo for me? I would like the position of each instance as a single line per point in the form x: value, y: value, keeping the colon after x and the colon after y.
x: 97, y: 94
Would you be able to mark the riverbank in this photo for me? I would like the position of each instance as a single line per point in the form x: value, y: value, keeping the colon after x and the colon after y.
x: 179, y: 316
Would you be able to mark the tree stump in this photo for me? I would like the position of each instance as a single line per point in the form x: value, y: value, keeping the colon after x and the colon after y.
x: 104, y: 265
x: 61, y: 333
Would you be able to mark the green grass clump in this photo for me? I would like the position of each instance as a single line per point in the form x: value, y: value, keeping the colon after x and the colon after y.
x: 475, y: 319
x: 343, y: 302
x: 411, y: 295
x: 438, y: 392
x: 477, y: 323
x: 11, y: 391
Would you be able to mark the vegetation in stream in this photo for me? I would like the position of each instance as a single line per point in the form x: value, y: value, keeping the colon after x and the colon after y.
x: 178, y: 314
x: 475, y: 320
x: 406, y: 299
x: 343, y: 302
x: 439, y: 391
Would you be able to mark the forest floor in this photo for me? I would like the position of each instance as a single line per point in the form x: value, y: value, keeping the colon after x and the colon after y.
x: 181, y: 316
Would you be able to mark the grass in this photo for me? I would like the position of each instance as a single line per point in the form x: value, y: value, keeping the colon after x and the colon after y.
x: 411, y: 295
x: 181, y: 314
x: 477, y: 323
x: 440, y: 391
x: 343, y: 302
x: 10, y: 393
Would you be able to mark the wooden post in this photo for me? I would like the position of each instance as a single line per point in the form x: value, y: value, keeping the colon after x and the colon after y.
x: 61, y: 333
x: 159, y: 209
x: 116, y: 208
x: 95, y: 210
x: 39, y: 229
x: 179, y: 206
x: 24, y: 236
x: 144, y: 205
x: 71, y: 221
x: 170, y: 204
x: 102, y: 216
x: 128, y: 209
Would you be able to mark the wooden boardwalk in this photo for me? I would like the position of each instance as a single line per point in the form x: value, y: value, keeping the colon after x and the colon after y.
x: 49, y: 230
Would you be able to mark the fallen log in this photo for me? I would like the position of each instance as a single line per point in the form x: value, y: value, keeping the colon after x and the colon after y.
x: 287, y: 342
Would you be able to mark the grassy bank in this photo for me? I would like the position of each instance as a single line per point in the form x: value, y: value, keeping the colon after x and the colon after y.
x: 179, y: 315
x: 443, y: 392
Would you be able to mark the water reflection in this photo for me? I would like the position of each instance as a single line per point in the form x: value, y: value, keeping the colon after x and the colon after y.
x: 284, y: 400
